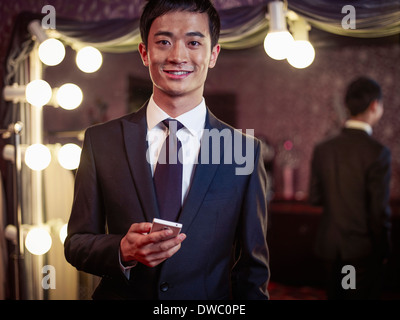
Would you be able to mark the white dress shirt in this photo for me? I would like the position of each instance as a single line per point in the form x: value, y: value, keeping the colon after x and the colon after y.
x: 360, y: 125
x: 190, y: 137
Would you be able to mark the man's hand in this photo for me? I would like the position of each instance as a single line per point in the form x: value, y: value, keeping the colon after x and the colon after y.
x: 150, y: 249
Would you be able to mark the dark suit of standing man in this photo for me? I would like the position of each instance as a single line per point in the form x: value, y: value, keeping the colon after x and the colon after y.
x: 222, y: 251
x: 351, y: 180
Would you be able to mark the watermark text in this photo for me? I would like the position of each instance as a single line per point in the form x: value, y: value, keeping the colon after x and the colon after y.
x: 349, y: 20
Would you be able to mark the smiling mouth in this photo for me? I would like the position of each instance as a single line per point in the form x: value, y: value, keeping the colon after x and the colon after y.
x: 178, y: 73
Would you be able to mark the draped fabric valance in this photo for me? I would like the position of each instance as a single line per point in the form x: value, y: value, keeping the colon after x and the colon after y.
x: 374, y: 18
x: 242, y: 26
x: 246, y: 27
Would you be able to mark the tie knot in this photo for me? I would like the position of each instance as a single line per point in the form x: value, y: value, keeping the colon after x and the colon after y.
x: 173, y: 125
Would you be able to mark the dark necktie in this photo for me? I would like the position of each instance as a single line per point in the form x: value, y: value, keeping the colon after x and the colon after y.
x: 168, y: 174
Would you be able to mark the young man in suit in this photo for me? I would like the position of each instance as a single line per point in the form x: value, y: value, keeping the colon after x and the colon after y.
x: 222, y: 251
x: 351, y: 180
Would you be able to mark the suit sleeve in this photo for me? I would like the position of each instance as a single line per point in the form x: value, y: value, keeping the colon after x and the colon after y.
x: 88, y: 247
x: 251, y: 272
x: 378, y: 194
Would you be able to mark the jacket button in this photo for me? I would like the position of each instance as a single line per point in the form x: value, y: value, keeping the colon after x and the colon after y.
x: 164, y: 286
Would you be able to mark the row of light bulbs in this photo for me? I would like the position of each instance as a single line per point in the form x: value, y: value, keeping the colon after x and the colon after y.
x: 52, y: 51
x: 38, y: 156
x: 280, y: 44
x: 39, y: 93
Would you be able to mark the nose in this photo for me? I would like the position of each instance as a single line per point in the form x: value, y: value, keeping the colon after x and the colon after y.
x: 178, y: 53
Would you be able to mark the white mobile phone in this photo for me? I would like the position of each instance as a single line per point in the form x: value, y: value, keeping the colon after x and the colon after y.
x: 159, y: 224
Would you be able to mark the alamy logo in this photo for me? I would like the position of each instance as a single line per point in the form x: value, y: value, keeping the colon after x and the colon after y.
x: 49, y: 20
x: 349, y: 20
x: 49, y: 280
x: 349, y: 280
x: 216, y: 147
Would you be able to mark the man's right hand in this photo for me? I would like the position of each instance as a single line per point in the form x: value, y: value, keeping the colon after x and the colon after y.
x: 150, y: 249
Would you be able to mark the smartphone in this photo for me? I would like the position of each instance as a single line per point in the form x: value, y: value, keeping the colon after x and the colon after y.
x: 160, y: 224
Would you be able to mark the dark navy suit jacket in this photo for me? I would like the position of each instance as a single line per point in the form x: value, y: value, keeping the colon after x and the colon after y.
x: 351, y: 180
x: 225, y: 254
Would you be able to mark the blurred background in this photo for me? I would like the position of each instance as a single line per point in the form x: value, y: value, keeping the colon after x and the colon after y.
x: 291, y: 105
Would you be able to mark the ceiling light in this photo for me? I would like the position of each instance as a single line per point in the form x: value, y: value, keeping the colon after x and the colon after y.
x: 278, y: 41
x: 302, y: 53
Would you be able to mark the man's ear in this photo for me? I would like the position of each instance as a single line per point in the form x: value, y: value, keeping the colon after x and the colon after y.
x: 143, y: 54
x: 214, y: 56
x: 373, y: 106
x: 377, y: 106
x: 375, y: 112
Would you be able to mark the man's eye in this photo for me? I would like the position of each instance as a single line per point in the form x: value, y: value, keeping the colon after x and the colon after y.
x: 163, y: 42
x: 194, y: 43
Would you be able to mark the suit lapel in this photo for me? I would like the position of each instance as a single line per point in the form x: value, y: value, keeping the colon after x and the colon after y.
x: 135, y: 131
x: 203, y: 176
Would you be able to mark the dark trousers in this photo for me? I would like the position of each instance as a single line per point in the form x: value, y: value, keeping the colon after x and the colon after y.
x: 369, y: 278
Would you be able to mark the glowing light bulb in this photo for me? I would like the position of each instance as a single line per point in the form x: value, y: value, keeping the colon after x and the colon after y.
x: 69, y: 96
x: 37, y: 157
x: 89, y: 59
x: 51, y: 52
x: 278, y: 44
x: 38, y: 93
x: 69, y: 156
x: 38, y: 241
x: 302, y: 54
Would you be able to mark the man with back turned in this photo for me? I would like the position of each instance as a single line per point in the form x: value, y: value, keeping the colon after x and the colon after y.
x: 350, y: 178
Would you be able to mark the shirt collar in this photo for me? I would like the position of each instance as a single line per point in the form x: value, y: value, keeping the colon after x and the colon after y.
x: 193, y: 120
x: 360, y: 125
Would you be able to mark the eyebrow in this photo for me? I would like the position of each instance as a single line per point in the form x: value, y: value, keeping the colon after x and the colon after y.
x: 189, y: 34
x: 195, y: 34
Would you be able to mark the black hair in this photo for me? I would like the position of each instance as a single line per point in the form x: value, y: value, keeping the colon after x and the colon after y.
x: 156, y: 8
x: 360, y: 93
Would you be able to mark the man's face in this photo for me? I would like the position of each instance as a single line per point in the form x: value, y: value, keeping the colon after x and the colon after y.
x: 179, y: 54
